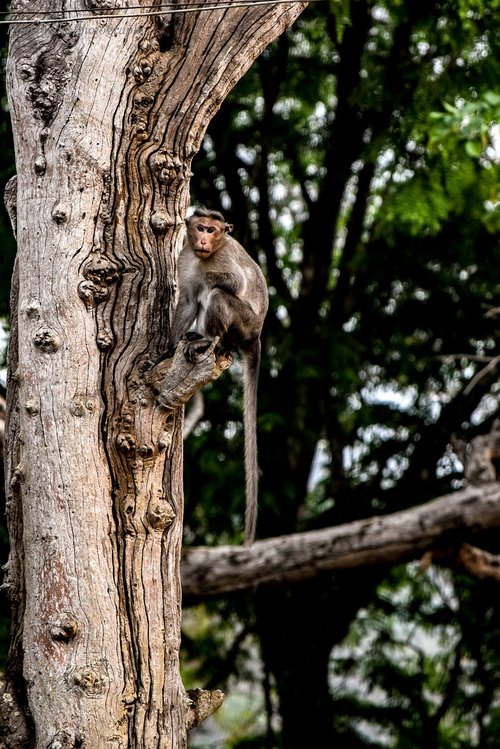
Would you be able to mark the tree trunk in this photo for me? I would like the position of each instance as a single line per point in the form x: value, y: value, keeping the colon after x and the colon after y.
x: 107, y: 114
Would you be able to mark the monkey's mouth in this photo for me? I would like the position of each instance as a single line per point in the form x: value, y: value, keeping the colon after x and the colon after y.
x: 201, y: 252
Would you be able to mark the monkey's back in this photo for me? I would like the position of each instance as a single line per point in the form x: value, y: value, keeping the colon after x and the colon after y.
x: 234, y: 259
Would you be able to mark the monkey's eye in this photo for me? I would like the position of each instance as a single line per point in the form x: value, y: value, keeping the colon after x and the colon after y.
x: 210, y: 229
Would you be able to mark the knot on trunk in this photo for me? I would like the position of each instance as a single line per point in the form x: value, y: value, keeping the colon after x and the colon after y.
x: 200, y: 704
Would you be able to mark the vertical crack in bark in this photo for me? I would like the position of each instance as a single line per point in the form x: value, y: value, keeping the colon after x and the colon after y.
x: 139, y: 434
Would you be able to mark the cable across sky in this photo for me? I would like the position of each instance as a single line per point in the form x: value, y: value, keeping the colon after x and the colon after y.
x: 147, y: 11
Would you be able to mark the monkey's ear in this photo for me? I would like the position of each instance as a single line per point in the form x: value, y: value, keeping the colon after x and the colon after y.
x: 229, y: 228
x: 187, y: 221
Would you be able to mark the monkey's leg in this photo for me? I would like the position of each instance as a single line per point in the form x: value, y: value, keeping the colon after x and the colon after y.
x: 213, y: 323
x: 229, y: 318
x: 184, y: 316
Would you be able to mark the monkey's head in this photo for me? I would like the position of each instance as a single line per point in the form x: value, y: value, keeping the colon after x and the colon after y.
x: 206, y: 232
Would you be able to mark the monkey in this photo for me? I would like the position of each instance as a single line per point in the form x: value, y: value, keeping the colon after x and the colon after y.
x: 225, y: 292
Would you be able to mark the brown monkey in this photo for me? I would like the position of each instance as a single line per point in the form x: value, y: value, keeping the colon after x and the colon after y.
x: 224, y: 290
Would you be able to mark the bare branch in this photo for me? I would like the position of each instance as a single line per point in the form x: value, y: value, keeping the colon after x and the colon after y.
x: 479, y: 563
x: 482, y: 372
x: 492, y: 311
x: 195, y: 413
x: 388, y: 539
x: 177, y: 379
x: 480, y: 456
x: 471, y: 357
x: 200, y: 704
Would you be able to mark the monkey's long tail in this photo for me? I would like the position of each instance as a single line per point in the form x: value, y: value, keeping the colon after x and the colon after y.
x: 250, y: 383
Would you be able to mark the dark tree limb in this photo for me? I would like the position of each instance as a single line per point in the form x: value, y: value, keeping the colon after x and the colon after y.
x: 445, y: 522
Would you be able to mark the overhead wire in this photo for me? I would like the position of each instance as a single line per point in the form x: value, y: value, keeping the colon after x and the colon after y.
x: 146, y: 11
x: 160, y: 7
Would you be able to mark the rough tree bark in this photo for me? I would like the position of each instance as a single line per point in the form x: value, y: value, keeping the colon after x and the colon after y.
x: 108, y: 112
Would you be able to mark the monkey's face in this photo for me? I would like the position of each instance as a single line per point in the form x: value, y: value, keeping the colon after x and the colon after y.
x: 205, y: 235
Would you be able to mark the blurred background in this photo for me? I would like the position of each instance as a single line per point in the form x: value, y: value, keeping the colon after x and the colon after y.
x: 358, y: 160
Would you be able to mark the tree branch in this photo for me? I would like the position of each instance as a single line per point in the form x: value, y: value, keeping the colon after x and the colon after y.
x: 479, y: 563
x: 195, y: 413
x: 388, y: 539
x: 200, y: 704
x: 177, y: 379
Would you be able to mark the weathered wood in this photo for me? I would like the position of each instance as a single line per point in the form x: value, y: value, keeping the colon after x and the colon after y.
x: 481, y: 456
x: 201, y: 704
x: 174, y: 381
x: 387, y: 539
x: 479, y: 563
x: 107, y: 115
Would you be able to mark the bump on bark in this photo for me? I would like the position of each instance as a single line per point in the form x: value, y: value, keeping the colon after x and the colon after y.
x: 47, y: 340
x: 101, y: 273
x: 91, y: 680
x: 65, y: 740
x: 64, y: 628
x: 160, y: 514
x: 200, y: 704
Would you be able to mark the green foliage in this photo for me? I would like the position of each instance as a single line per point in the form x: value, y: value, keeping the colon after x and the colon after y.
x: 432, y: 196
x: 467, y: 122
x: 356, y: 161
x: 423, y: 660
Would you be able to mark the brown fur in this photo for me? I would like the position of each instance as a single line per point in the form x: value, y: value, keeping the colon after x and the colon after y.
x: 224, y: 290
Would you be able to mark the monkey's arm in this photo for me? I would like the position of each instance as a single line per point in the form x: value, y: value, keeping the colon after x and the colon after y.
x: 225, y: 280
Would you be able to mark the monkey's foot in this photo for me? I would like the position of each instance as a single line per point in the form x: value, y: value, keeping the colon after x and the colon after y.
x: 170, y: 351
x: 195, y: 347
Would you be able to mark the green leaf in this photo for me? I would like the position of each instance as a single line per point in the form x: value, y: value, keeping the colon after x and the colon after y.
x: 474, y: 148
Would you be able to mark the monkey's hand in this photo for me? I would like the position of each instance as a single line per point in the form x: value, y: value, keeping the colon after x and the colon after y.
x: 168, y: 354
x: 195, y: 347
